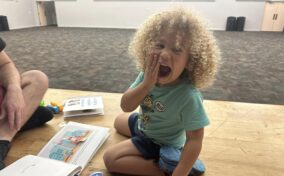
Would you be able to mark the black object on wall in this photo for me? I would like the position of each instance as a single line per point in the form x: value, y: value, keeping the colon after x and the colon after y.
x: 241, y: 23
x: 231, y: 23
x: 4, y: 26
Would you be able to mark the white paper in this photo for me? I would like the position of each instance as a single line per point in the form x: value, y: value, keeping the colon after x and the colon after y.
x: 36, y: 166
x: 84, y: 105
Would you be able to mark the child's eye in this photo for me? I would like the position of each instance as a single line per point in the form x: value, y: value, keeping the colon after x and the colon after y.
x: 177, y: 50
x: 159, y: 46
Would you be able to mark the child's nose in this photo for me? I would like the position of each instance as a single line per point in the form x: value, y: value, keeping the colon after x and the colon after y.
x: 164, y: 54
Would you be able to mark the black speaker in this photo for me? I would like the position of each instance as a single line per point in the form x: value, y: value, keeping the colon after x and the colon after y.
x: 231, y: 23
x: 241, y: 23
x: 4, y: 26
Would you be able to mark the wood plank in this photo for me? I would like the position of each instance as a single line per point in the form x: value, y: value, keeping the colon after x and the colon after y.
x: 243, y: 138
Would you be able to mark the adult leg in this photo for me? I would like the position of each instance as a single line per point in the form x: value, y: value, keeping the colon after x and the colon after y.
x: 124, y: 158
x: 34, y: 85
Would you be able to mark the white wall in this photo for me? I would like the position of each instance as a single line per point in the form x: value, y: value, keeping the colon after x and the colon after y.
x: 20, y: 13
x: 129, y: 14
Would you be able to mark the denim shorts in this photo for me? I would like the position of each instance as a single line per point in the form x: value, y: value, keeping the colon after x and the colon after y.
x: 166, y: 157
x: 147, y: 148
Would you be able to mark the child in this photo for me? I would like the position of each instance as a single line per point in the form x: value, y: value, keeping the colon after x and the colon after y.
x: 176, y: 55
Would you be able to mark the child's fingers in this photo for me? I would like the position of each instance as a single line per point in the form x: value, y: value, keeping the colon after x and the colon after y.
x: 152, y: 63
x: 157, y: 67
x: 152, y: 69
x: 148, y: 63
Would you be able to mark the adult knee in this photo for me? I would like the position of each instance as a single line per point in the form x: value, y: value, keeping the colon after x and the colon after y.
x: 37, y: 78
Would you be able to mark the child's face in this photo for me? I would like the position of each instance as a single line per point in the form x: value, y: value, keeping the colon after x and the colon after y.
x: 173, y: 59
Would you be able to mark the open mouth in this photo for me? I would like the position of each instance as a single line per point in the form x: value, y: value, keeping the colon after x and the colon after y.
x: 164, y: 71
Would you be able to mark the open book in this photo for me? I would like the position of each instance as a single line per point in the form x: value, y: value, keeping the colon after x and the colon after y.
x: 83, y: 105
x: 31, y: 165
x: 66, y: 154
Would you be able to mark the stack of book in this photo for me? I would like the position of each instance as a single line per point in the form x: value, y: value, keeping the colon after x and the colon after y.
x: 83, y: 105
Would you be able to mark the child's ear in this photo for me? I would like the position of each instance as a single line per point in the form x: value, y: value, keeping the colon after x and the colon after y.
x: 186, y: 67
x: 189, y: 66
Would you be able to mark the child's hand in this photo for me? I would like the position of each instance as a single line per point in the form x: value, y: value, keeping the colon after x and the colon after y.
x: 151, y: 70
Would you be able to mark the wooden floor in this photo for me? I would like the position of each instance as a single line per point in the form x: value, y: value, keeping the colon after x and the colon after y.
x: 243, y: 139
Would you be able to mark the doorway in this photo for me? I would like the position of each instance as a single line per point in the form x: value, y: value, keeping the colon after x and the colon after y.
x: 46, y: 13
x: 273, y: 19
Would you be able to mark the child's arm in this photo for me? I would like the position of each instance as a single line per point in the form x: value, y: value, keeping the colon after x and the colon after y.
x: 190, y: 152
x: 133, y: 97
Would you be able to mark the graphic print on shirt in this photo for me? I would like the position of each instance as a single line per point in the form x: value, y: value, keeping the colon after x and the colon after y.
x: 147, y: 107
x: 159, y: 106
x: 147, y: 104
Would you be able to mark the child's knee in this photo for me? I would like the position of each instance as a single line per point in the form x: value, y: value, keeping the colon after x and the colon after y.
x: 120, y: 121
x: 108, y: 159
x: 115, y: 123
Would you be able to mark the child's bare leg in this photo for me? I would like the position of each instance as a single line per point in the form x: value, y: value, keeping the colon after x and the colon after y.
x: 121, y: 124
x: 126, y: 159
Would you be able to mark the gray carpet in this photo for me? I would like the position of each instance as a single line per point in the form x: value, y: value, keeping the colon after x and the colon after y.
x: 97, y: 60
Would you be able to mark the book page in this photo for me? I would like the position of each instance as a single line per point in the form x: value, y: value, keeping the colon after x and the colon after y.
x: 75, y: 143
x: 36, y: 166
x: 83, y: 112
x: 83, y: 103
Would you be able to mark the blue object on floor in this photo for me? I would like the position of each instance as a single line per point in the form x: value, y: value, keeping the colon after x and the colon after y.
x: 96, y: 174
x: 54, y: 109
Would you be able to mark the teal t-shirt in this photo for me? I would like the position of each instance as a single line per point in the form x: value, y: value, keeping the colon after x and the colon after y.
x: 168, y: 111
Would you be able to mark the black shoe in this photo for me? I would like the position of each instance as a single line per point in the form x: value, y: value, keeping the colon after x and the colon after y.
x: 4, y: 148
x: 39, y: 118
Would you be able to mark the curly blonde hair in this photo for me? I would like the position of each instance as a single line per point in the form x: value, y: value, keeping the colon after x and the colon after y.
x: 188, y: 28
